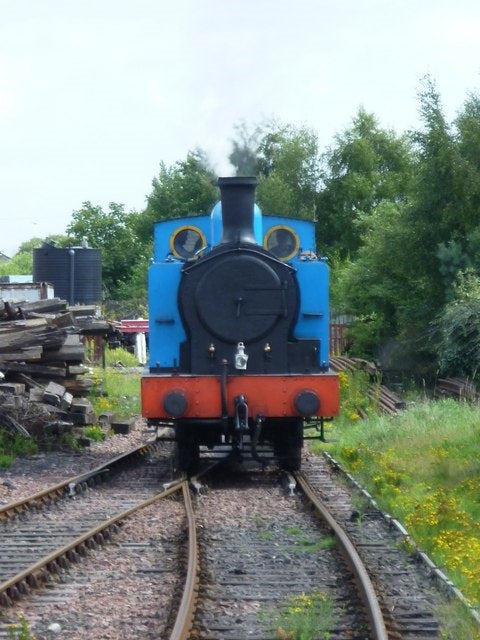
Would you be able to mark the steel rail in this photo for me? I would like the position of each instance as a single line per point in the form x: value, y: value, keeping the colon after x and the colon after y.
x: 77, y: 543
x: 184, y: 621
x: 57, y: 490
x: 364, y: 584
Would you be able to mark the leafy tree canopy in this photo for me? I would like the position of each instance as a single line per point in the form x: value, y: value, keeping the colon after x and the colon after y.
x: 366, y: 166
x: 187, y: 188
x: 20, y: 264
x: 457, y: 328
x: 60, y: 240
x: 289, y: 171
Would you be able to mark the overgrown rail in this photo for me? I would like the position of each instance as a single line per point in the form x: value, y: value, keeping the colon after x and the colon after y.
x: 241, y: 579
x: 362, y: 579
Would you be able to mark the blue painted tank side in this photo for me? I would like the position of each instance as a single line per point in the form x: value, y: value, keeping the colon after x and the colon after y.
x: 314, y: 315
x: 165, y: 326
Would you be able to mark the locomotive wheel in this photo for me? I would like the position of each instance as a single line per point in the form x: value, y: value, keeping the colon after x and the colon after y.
x: 187, y: 450
x: 288, y: 443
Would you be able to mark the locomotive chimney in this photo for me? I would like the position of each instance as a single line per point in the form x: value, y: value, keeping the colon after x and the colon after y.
x: 238, y: 201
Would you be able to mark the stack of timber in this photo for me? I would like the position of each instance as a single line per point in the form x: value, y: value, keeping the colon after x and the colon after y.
x: 42, y: 367
x: 458, y: 388
x: 386, y: 400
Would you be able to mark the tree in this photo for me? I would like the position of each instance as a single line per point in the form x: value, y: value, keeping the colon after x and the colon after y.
x: 409, y: 257
x: 60, y: 240
x: 114, y: 232
x: 366, y: 166
x: 288, y: 163
x: 375, y: 287
x: 285, y: 159
x: 438, y: 212
x: 457, y: 329
x: 20, y: 264
x: 187, y: 188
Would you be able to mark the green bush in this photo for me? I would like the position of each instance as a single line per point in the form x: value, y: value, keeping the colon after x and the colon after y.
x: 94, y: 433
x: 13, y: 445
x: 457, y: 329
x: 120, y: 357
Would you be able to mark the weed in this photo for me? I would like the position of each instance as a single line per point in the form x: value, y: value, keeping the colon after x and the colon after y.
x: 6, y: 460
x: 116, y: 390
x: 304, y: 617
x: 13, y: 445
x: 120, y: 358
x: 309, y: 545
x: 294, y: 531
x: 265, y: 535
x: 457, y: 623
x: 20, y: 630
x: 94, y: 433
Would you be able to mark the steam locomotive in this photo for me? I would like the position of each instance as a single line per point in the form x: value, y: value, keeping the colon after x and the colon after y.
x: 238, y: 331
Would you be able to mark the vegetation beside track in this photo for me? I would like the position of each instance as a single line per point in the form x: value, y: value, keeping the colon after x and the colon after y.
x: 423, y: 467
x: 117, y: 387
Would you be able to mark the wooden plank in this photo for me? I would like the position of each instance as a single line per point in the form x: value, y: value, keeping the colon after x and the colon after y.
x: 81, y: 405
x: 77, y: 369
x: 36, y: 369
x: 28, y: 353
x: 21, y: 325
x: 12, y: 387
x: 65, y: 354
x: 43, y: 306
x: 14, y: 341
x: 53, y: 394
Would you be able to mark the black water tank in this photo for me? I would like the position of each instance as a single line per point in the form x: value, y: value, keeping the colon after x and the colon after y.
x: 75, y: 273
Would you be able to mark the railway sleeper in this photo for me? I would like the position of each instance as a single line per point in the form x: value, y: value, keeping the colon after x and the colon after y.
x: 33, y: 581
x: 53, y: 567
x: 82, y: 549
x: 13, y: 592
x: 73, y: 555
x: 23, y: 588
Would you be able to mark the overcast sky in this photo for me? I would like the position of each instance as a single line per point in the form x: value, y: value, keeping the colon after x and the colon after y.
x: 94, y: 94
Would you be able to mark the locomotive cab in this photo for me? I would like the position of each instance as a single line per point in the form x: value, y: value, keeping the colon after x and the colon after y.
x: 238, y: 330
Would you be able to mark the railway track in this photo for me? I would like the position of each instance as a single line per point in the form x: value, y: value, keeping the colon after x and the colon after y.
x: 227, y: 568
x: 35, y: 541
x: 269, y: 555
x: 269, y: 550
x: 76, y: 484
x: 44, y: 535
x: 408, y: 597
x: 212, y: 594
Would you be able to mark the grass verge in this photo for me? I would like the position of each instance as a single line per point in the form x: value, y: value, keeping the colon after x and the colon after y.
x: 117, y: 388
x: 423, y: 467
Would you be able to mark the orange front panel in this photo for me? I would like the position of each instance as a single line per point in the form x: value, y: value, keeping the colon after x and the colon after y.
x: 271, y: 396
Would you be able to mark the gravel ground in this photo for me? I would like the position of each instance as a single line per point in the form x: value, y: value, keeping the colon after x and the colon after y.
x: 122, y: 590
x: 33, y: 473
